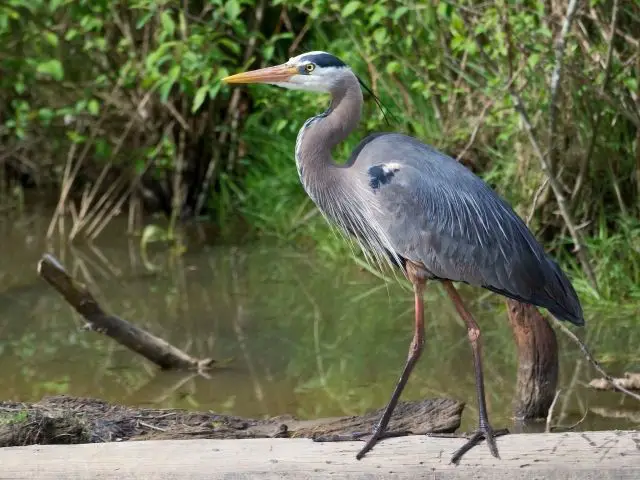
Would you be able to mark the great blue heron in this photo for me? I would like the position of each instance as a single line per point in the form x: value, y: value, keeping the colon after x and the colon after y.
x: 409, y: 204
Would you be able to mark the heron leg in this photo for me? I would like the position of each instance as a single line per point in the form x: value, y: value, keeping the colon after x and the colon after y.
x: 485, y: 431
x: 415, y: 350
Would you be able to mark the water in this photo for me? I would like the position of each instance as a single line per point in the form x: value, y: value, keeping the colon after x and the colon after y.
x: 291, y: 335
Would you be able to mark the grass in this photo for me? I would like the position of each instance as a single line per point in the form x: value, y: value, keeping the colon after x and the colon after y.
x: 10, y: 418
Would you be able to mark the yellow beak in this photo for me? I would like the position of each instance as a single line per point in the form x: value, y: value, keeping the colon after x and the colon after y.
x: 279, y: 73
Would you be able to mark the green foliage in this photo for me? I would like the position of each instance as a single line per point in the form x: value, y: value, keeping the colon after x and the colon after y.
x: 135, y: 84
x: 14, y: 418
x: 445, y: 72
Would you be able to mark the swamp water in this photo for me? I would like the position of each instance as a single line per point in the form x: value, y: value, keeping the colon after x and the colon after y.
x: 291, y: 335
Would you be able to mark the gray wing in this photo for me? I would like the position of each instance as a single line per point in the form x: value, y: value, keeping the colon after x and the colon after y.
x: 436, y: 212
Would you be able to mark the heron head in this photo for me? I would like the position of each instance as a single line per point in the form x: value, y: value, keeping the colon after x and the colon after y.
x: 312, y: 71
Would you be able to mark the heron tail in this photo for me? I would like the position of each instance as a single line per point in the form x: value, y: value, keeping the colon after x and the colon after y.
x: 564, y: 303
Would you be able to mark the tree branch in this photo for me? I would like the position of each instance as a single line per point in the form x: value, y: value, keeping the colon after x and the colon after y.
x: 556, y: 78
x: 581, y: 249
x: 596, y: 126
x: 547, y: 162
x: 149, y: 346
x: 594, y: 362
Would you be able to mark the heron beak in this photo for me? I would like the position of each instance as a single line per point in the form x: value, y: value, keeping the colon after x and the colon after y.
x: 279, y: 73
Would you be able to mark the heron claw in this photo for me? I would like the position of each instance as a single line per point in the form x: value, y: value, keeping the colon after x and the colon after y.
x: 484, y: 432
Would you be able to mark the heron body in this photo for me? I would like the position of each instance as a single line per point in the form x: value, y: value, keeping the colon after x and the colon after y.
x: 409, y: 204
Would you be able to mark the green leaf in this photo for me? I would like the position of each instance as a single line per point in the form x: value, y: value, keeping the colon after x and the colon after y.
x: 168, y: 25
x: 145, y: 18
x: 533, y: 60
x: 232, y: 7
x: 93, y: 107
x: 46, y: 115
x: 200, y: 97
x: 457, y: 24
x: 380, y: 36
x: 267, y: 51
x: 350, y: 8
x: 71, y: 34
x: 393, y: 67
x: 214, y: 89
x: 52, y: 68
x: 167, y: 85
x: 399, y: 12
x: 51, y: 38
x: 631, y: 83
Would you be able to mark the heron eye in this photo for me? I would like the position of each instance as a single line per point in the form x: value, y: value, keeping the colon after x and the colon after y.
x: 309, y: 67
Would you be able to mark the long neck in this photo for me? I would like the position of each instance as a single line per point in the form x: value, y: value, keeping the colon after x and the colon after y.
x: 320, y: 134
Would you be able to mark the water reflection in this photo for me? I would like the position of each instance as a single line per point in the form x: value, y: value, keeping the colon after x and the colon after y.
x: 292, y: 335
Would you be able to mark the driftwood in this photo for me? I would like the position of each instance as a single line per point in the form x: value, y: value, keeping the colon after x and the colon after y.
x: 631, y: 381
x: 70, y: 420
x: 549, y: 456
x: 537, y: 361
x: 134, y: 338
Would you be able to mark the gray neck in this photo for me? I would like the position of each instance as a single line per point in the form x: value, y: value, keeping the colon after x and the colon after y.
x: 320, y: 134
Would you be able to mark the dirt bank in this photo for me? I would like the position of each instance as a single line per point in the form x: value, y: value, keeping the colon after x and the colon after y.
x: 71, y: 420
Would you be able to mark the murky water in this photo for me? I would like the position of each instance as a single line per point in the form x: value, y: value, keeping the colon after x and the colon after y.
x: 291, y: 334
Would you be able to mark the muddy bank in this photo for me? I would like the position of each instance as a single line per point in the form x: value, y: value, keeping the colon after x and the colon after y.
x: 71, y: 420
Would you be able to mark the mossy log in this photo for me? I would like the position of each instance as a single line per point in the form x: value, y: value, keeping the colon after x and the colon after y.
x: 71, y: 420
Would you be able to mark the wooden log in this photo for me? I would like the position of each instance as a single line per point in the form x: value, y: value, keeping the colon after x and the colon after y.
x: 630, y: 381
x: 153, y: 348
x: 65, y: 419
x: 537, y: 361
x: 574, y: 455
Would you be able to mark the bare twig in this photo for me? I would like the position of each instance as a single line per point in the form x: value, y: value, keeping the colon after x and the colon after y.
x: 536, y: 197
x: 573, y: 425
x: 596, y: 125
x: 151, y: 427
x: 67, y: 179
x: 556, y: 77
x: 232, y: 117
x: 546, y: 163
x: 476, y: 129
x: 580, y: 247
x: 296, y: 42
x: 594, y: 362
x: 550, y: 413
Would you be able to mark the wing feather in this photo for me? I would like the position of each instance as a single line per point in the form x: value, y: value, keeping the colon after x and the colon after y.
x: 435, y: 211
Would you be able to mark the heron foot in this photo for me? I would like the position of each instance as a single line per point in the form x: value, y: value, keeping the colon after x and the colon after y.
x: 484, y: 432
x: 357, y: 436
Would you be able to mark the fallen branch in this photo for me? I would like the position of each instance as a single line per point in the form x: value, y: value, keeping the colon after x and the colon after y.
x: 547, y: 428
x: 71, y: 420
x: 594, y: 362
x: 134, y: 338
x: 631, y: 381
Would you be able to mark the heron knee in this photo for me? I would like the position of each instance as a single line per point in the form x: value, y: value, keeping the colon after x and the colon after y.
x: 416, y: 348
